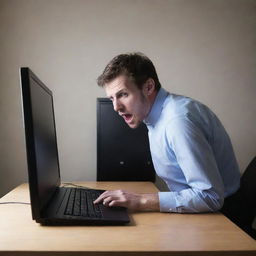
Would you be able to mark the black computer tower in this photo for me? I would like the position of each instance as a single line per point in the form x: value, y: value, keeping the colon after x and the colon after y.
x: 123, y: 153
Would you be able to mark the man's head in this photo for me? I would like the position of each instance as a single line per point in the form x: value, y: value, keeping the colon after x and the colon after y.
x: 138, y: 67
x: 131, y: 82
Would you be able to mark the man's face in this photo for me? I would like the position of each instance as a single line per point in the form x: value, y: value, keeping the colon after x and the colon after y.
x: 130, y: 102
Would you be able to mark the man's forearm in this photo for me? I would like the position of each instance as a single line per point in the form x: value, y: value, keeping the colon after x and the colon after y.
x: 149, y: 202
x: 133, y: 201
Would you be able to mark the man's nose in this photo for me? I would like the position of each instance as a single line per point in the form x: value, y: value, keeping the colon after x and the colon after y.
x: 117, y: 105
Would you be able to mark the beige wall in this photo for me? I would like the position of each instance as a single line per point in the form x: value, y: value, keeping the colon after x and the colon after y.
x: 201, y: 48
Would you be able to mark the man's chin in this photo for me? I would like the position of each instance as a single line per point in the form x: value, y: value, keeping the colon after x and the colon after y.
x: 134, y: 125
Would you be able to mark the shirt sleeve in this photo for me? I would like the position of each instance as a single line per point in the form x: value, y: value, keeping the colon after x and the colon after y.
x: 194, y: 155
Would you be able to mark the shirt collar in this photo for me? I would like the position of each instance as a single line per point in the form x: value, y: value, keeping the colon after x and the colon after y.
x: 156, y: 109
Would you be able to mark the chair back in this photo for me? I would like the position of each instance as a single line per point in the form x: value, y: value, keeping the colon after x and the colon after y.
x: 248, y: 184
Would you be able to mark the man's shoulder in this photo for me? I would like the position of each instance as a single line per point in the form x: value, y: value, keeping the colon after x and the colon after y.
x: 180, y: 106
x: 184, y: 110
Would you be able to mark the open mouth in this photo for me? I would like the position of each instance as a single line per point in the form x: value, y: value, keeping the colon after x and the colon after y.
x: 127, y: 117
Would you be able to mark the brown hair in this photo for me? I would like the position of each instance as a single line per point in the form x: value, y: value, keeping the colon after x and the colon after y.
x: 137, y: 66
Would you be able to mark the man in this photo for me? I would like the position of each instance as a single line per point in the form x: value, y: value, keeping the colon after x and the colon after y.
x: 190, y: 148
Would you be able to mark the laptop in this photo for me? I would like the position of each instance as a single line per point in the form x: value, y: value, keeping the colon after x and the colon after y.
x: 52, y: 203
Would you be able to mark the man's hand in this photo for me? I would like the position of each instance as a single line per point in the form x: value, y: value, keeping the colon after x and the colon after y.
x: 132, y: 201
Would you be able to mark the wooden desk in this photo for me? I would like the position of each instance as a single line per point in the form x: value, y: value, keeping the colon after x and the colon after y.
x: 148, y: 234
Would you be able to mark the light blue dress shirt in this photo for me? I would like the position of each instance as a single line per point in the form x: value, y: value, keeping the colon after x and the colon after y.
x: 192, y: 153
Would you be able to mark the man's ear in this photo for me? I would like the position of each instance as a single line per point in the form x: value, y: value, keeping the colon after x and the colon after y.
x: 149, y: 87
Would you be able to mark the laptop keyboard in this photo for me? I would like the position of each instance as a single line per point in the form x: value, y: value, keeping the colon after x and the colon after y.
x: 80, y: 203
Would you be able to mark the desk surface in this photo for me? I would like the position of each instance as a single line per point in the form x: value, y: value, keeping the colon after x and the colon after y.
x: 148, y: 234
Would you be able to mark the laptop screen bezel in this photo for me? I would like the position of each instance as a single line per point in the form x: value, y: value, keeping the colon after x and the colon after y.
x: 37, y: 204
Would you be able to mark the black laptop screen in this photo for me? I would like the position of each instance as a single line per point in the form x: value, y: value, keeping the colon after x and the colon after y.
x: 43, y: 164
